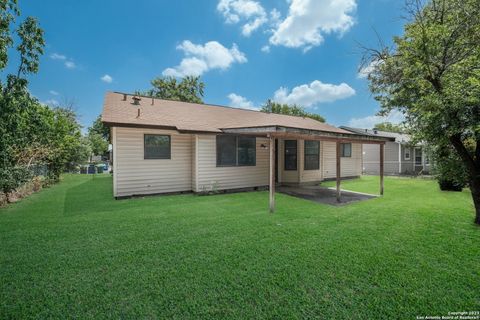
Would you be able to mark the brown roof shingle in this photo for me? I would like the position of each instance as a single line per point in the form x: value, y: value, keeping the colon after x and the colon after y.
x: 185, y: 116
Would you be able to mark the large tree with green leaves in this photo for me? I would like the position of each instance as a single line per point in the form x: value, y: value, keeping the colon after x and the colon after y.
x: 432, y: 75
x: 390, y: 127
x: 98, y: 137
x: 292, y: 110
x: 31, y: 133
x: 188, y: 89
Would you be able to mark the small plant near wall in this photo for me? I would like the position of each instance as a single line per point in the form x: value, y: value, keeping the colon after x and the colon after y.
x: 209, y: 189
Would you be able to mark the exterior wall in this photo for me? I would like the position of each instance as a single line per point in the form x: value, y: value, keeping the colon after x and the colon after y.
x: 134, y: 175
x: 210, y: 176
x: 349, y: 167
x: 327, y: 170
x: 193, y: 165
x: 371, y: 158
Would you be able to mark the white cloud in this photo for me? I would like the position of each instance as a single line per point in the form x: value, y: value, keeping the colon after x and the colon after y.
x: 201, y: 58
x: 366, y: 70
x: 106, y: 78
x: 68, y: 62
x: 266, y: 49
x: 240, y: 102
x: 250, y: 12
x: 54, y: 93
x: 57, y: 56
x: 311, y: 94
x: 370, y: 121
x: 309, y: 20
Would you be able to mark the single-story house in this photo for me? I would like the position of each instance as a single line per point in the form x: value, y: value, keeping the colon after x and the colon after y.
x: 401, y: 155
x: 163, y: 146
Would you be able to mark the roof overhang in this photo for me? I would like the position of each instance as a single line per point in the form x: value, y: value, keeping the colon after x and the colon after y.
x: 299, y: 133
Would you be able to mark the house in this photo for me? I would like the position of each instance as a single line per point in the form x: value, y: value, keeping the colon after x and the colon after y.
x: 401, y: 157
x: 163, y: 146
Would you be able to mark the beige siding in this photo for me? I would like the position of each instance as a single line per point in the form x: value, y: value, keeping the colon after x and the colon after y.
x: 349, y: 167
x: 135, y: 175
x: 371, y: 158
x: 194, y: 162
x: 210, y: 176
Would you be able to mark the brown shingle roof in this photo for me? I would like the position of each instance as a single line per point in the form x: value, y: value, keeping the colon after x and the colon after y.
x: 185, y: 116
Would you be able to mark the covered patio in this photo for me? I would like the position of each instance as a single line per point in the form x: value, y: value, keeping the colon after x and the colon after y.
x: 274, y: 133
x: 324, y: 195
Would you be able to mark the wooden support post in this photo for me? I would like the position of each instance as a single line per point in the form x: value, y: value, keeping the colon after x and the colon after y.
x: 272, y: 174
x: 381, y: 167
x: 338, y: 171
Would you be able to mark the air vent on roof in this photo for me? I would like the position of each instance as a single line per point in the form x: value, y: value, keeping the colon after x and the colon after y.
x: 136, y: 100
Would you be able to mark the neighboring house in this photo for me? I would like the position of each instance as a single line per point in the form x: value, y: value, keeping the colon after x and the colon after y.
x: 163, y: 146
x: 401, y: 157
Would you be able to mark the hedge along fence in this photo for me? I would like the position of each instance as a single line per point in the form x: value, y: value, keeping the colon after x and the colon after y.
x: 37, y: 179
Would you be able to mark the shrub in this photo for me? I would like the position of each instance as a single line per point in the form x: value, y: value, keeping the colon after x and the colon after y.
x: 450, y: 185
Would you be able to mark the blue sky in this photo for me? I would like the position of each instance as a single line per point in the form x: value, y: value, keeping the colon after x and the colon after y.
x: 247, y: 51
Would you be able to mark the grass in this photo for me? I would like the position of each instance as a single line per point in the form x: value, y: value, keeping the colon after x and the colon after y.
x: 72, y: 251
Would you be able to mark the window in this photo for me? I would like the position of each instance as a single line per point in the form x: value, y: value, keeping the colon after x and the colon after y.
x: 235, y: 151
x: 345, y: 150
x: 418, y: 156
x: 312, y: 155
x: 156, y: 146
x: 246, y: 150
x: 407, y: 153
x: 290, y: 154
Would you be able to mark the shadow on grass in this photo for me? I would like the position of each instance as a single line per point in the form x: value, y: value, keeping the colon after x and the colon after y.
x: 92, y: 195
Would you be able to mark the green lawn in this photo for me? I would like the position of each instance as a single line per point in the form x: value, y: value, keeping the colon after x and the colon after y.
x: 72, y: 250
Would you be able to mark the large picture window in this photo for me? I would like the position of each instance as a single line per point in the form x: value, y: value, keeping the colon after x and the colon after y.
x: 346, y: 150
x: 235, y: 151
x: 312, y: 155
x: 156, y: 146
x: 290, y: 154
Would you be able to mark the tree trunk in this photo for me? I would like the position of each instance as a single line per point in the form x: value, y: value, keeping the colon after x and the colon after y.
x: 475, y: 189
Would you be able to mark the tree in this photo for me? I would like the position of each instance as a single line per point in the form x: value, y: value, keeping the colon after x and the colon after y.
x: 432, y: 75
x: 98, y: 144
x: 189, y: 89
x: 292, y: 110
x: 98, y: 127
x: 17, y: 107
x: 390, y: 127
x: 98, y: 137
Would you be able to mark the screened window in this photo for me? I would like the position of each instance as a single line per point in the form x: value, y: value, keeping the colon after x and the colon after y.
x: 290, y: 154
x: 156, y: 146
x: 312, y: 155
x: 235, y: 151
x: 346, y: 150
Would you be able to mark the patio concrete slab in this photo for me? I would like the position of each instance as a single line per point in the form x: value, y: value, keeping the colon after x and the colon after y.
x: 324, y: 195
